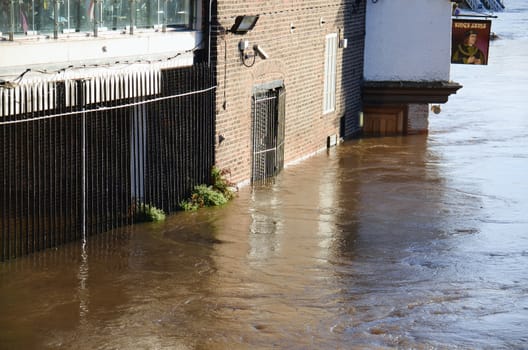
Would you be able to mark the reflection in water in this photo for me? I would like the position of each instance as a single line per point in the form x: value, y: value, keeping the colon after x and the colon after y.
x: 84, y: 293
x: 327, y: 212
x: 266, y: 224
x: 413, y: 243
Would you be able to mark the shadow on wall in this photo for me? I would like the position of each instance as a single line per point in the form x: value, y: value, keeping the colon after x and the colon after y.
x: 352, y: 72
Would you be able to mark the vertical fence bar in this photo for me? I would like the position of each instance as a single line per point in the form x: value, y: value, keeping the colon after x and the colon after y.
x: 117, y: 178
x: 56, y: 7
x: 95, y: 147
x: 95, y: 13
x: 3, y: 178
x: 52, y: 170
x: 29, y: 182
x: 6, y: 166
x: 107, y: 141
x: 16, y: 188
x: 169, y: 109
x: 67, y: 165
x: 81, y: 103
x: 126, y: 194
x: 77, y: 174
x: 31, y: 207
x: 133, y: 155
x: 132, y: 22
x: 39, y: 180
x: 55, y: 146
x: 12, y: 20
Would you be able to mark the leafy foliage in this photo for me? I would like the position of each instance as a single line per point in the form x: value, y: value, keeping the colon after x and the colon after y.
x: 219, y: 193
x: 148, y: 213
x: 220, y: 182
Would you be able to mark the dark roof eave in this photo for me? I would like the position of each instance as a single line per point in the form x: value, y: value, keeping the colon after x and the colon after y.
x: 403, y: 92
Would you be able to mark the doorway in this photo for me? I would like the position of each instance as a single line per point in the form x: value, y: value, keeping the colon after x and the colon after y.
x: 384, y: 121
x: 268, y: 130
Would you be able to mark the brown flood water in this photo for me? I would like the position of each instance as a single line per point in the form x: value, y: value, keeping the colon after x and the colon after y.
x: 411, y: 243
x: 374, y: 245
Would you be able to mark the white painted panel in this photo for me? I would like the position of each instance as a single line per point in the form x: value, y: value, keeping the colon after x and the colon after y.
x: 408, y: 40
x: 51, y: 54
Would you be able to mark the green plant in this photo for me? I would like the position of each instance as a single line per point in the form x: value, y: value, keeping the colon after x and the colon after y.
x: 148, y: 213
x: 203, y: 196
x: 219, y: 193
x: 220, y: 182
x: 189, y: 205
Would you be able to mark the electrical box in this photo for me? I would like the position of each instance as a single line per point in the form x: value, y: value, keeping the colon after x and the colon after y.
x: 243, y: 45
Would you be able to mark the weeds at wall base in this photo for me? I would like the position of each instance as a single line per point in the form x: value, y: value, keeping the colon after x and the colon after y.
x: 148, y: 213
x: 219, y: 193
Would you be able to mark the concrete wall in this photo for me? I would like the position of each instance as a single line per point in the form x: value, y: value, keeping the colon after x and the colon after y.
x: 80, y: 50
x: 418, y: 119
x: 408, y: 40
x: 297, y: 58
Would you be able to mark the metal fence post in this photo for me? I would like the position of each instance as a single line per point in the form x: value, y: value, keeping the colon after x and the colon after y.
x: 96, y: 11
x: 132, y: 16
x: 81, y: 105
x: 12, y: 20
x: 56, y: 19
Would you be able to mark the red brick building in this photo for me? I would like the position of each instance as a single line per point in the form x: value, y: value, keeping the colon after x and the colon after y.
x: 290, y: 86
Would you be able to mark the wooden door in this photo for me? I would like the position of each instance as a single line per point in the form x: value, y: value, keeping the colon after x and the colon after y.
x: 384, y: 121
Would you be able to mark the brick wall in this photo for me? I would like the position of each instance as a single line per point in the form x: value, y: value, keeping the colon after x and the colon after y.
x: 417, y: 118
x: 295, y: 57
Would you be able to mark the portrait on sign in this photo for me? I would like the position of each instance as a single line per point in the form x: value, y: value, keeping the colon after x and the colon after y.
x: 470, y: 41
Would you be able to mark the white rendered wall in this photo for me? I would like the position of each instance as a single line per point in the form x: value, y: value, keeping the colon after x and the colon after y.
x: 77, y: 50
x: 408, y: 40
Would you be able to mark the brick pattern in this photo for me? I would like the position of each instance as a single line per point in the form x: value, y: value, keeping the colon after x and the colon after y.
x: 417, y: 118
x: 297, y: 58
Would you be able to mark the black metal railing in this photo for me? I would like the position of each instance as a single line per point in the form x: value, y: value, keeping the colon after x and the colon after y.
x: 268, y: 133
x: 82, y: 157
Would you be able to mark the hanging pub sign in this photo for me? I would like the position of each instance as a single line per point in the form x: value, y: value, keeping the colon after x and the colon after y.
x: 470, y: 41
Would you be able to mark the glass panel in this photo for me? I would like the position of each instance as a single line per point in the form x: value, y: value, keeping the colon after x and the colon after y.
x: 38, y: 16
x: 116, y: 14
x: 146, y: 12
x: 41, y: 16
x: 4, y: 16
x: 179, y: 13
x: 22, y: 16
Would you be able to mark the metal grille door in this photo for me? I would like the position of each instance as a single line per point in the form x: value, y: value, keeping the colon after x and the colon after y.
x: 268, y: 133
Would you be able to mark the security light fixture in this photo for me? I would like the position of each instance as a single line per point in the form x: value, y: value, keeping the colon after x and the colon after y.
x: 258, y: 49
x: 244, y: 24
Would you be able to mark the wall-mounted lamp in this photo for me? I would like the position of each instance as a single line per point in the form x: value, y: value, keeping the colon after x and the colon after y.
x: 261, y: 52
x: 292, y: 27
x: 321, y: 21
x: 244, y: 24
